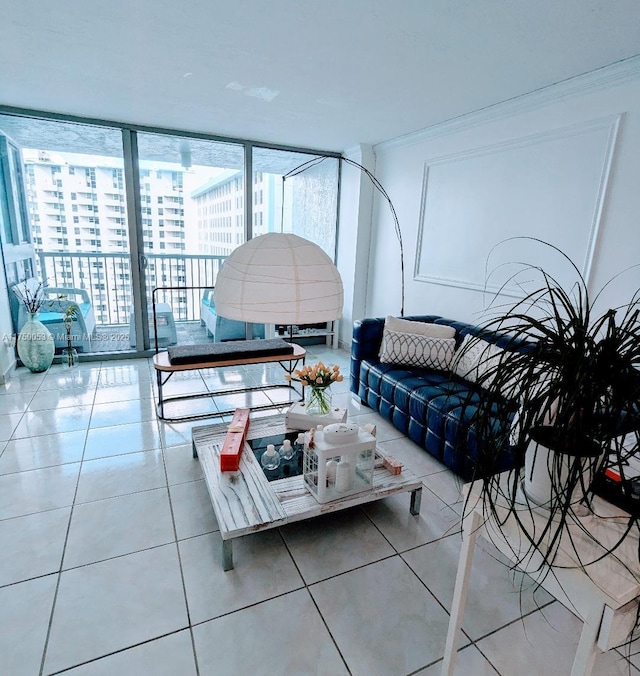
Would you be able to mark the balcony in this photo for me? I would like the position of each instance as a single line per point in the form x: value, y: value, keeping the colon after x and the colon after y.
x: 106, y: 277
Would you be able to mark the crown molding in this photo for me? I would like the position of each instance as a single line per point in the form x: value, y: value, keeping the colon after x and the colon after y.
x: 602, y: 78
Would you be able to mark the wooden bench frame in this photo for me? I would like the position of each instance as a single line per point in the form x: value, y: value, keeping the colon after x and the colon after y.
x: 164, y: 370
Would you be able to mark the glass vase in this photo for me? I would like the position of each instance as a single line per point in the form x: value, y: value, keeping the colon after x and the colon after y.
x: 69, y: 358
x: 35, y: 345
x: 318, y: 400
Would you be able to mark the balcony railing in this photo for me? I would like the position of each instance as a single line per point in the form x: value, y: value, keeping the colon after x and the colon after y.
x: 107, y: 279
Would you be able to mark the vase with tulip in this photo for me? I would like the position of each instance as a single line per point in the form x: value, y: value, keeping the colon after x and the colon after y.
x: 318, y: 380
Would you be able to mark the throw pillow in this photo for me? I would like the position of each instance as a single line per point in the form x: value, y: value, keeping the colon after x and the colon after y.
x: 419, y: 328
x: 475, y: 358
x: 409, y: 349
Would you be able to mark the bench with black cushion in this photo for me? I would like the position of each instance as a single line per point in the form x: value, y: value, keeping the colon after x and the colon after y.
x: 241, y: 349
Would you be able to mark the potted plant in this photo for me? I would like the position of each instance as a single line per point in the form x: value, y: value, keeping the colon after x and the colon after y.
x: 572, y: 376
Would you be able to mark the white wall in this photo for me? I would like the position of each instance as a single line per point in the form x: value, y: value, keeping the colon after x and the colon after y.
x: 354, y: 238
x: 562, y: 163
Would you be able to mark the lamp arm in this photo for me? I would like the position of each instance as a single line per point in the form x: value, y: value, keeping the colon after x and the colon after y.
x: 376, y: 183
x: 396, y: 222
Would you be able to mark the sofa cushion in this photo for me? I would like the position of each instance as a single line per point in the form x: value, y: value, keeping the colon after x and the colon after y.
x: 419, y: 328
x: 417, y: 350
x: 241, y: 349
x: 475, y: 359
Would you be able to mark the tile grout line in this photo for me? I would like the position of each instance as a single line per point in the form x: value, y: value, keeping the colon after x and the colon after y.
x: 113, y: 652
x: 306, y: 588
x: 177, y: 545
x: 66, y: 539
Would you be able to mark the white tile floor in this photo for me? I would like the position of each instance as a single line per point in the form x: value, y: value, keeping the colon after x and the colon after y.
x: 110, y: 561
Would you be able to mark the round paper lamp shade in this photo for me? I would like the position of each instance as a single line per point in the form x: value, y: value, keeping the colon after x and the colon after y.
x: 279, y: 278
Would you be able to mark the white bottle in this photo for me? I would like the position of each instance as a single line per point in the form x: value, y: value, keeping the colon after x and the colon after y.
x: 343, y: 475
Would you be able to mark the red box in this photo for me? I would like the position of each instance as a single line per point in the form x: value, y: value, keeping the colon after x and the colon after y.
x: 234, y: 441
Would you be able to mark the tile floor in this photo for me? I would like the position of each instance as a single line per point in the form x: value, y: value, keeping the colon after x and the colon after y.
x: 109, y: 555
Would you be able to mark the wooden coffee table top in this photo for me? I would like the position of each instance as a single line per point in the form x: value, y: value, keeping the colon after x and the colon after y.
x: 246, y: 502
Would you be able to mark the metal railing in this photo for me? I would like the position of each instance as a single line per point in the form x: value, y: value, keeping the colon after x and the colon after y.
x: 107, y: 279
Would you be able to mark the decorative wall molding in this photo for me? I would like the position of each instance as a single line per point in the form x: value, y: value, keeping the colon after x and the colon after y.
x: 602, y: 78
x: 473, y: 200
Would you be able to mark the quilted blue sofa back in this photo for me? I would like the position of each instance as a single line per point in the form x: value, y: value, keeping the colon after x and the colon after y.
x: 433, y: 408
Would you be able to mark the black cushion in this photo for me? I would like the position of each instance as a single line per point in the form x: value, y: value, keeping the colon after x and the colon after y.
x: 240, y: 349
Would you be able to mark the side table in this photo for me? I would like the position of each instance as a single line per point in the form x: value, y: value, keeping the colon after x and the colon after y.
x: 605, y: 595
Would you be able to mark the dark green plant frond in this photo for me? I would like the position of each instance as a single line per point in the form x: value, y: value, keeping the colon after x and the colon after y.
x: 572, y: 376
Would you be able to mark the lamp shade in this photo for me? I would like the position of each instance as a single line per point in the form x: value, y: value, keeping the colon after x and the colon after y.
x: 279, y: 278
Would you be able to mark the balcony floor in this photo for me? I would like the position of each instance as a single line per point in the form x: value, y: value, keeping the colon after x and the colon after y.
x: 115, y: 338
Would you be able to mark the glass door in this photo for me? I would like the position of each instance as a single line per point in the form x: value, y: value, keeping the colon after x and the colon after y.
x: 192, y: 209
x: 70, y: 213
x: 296, y: 192
x: 15, y: 233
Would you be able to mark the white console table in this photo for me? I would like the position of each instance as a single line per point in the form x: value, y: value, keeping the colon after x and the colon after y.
x: 605, y: 596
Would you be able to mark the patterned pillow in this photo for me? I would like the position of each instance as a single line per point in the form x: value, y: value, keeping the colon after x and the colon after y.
x: 409, y: 349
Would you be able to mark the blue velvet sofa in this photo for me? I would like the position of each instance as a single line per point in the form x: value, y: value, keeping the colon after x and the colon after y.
x: 433, y: 408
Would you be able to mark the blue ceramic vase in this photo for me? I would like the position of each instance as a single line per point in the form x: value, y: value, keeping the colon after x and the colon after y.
x: 35, y: 345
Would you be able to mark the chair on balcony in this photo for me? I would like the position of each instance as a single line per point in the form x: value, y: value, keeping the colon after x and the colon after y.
x: 221, y: 328
x: 167, y: 334
x: 57, y: 300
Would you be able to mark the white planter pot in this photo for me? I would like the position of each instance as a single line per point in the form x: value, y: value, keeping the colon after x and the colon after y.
x: 547, y: 473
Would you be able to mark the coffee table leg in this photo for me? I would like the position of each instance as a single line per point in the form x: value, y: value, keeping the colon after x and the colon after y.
x: 416, y: 499
x: 227, y: 555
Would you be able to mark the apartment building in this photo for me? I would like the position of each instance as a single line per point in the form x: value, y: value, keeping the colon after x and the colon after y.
x: 77, y: 207
x: 220, y: 210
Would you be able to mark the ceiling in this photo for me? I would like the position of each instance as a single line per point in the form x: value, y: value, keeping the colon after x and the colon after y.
x: 324, y: 74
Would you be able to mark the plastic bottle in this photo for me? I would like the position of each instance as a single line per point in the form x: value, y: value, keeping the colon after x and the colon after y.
x: 270, y: 458
x: 286, y: 451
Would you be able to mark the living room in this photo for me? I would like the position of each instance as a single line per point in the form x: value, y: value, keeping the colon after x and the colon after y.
x: 482, y: 124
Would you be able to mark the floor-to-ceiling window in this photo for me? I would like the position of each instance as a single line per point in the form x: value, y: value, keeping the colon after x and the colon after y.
x: 192, y: 217
x: 296, y: 192
x: 118, y: 211
x: 73, y: 183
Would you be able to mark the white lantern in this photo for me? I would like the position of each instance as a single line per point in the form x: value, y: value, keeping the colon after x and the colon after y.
x: 338, y: 461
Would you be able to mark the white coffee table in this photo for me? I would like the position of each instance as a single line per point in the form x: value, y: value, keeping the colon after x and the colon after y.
x: 246, y: 502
